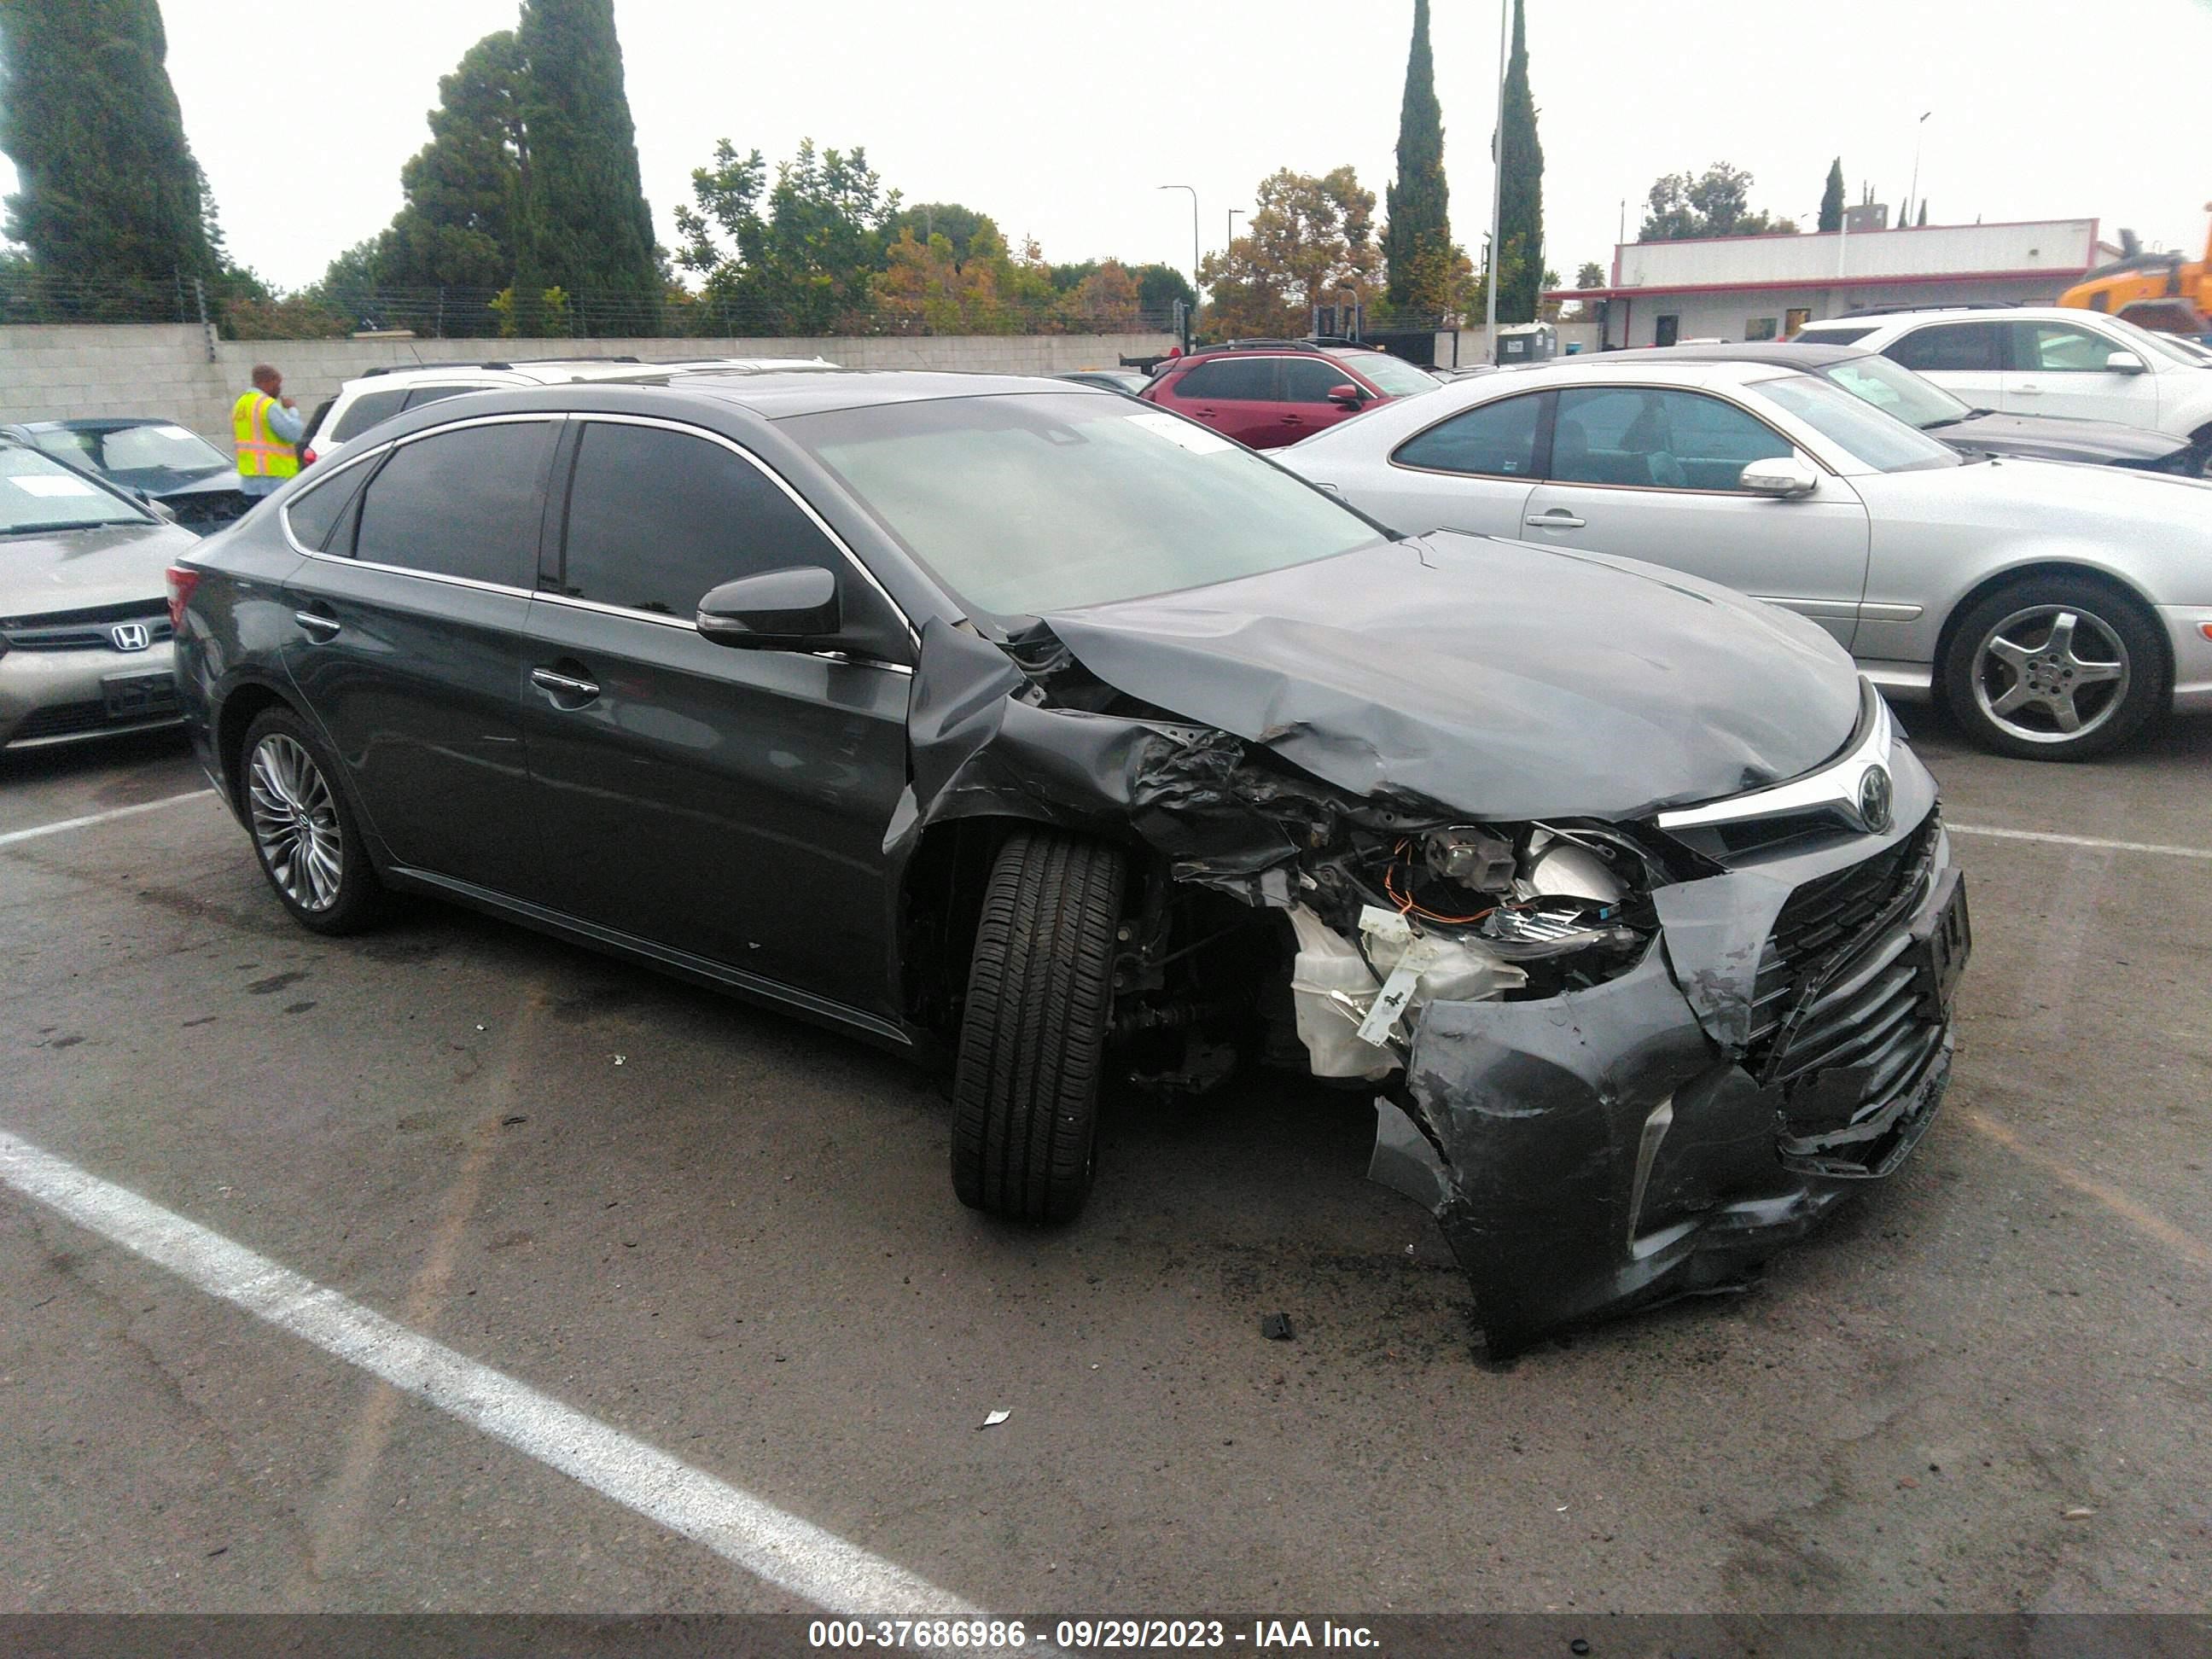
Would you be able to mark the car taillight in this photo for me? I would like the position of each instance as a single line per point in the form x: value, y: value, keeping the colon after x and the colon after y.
x: 307, y: 458
x: 182, y: 582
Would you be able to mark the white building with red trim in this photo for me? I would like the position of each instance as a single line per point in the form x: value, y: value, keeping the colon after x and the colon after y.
x: 1765, y: 288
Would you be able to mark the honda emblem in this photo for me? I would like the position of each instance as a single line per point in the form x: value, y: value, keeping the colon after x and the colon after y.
x: 130, y: 637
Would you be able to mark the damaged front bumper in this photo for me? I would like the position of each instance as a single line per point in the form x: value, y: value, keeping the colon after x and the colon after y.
x: 1785, y: 1040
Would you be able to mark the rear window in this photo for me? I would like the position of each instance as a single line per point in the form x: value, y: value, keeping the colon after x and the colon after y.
x: 461, y: 503
x: 1951, y: 349
x: 366, y: 410
x: 1394, y: 374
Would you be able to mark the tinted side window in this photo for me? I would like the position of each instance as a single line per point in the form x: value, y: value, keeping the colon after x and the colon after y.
x: 1309, y: 379
x: 315, y: 513
x: 1957, y: 347
x: 1494, y: 440
x: 463, y: 503
x: 430, y: 394
x: 1234, y: 379
x: 657, y: 518
x: 1657, y: 439
x: 366, y: 410
x: 1832, y: 336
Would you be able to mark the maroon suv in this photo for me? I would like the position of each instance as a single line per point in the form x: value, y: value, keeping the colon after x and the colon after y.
x: 1267, y: 393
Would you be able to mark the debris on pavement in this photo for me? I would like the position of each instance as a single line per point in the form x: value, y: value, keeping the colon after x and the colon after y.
x: 994, y: 1419
x: 1276, y: 1327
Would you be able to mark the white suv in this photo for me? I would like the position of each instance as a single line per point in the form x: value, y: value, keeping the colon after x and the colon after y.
x: 2044, y: 360
x: 381, y: 393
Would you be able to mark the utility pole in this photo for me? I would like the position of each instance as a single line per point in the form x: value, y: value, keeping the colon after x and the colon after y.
x: 1496, y: 189
x: 1919, y: 130
x: 1233, y: 215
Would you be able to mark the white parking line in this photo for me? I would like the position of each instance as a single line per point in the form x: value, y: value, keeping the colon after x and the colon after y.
x: 2082, y: 840
x: 14, y: 835
x: 770, y: 1543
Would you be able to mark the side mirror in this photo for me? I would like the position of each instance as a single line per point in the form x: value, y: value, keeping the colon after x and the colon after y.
x: 1347, y: 395
x: 793, y: 610
x: 1780, y: 475
x: 2126, y: 363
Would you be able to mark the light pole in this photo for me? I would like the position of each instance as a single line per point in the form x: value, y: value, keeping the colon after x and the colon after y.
x: 1497, y: 190
x: 1193, y: 189
x: 1234, y: 213
x: 1919, y: 128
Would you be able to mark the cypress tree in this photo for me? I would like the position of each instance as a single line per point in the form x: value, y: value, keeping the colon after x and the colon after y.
x: 1520, y: 193
x: 109, y: 187
x: 1831, y: 199
x: 457, y: 229
x: 1417, y: 245
x: 586, y: 228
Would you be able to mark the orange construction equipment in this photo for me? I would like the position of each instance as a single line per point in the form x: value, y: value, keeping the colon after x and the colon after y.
x: 2158, y: 290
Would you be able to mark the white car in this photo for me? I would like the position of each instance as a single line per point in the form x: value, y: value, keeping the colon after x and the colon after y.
x: 2055, y: 607
x: 2045, y: 359
x: 383, y: 393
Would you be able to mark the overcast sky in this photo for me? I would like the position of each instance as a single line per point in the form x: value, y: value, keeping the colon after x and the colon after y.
x: 1060, y: 120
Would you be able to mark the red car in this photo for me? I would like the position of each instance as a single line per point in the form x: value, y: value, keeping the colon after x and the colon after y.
x: 1270, y: 392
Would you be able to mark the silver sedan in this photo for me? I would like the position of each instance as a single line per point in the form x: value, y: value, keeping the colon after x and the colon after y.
x: 2054, y: 608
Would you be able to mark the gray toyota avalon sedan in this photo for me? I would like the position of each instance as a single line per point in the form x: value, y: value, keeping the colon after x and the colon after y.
x: 1057, y: 739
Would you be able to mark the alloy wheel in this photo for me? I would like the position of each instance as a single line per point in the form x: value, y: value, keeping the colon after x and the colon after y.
x: 296, y: 823
x: 2051, y: 674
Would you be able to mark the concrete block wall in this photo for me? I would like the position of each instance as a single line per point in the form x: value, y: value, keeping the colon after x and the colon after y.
x: 59, y: 371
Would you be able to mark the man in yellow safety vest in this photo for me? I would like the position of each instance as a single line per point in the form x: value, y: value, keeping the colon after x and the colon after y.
x: 266, y: 428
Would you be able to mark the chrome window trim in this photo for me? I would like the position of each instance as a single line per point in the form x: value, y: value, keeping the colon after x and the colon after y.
x: 661, y: 619
x: 1834, y: 787
x: 686, y: 429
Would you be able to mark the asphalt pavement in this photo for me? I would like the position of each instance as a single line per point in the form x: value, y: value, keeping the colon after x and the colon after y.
x: 685, y: 1230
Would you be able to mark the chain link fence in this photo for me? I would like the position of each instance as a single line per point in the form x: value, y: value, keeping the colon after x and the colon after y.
x: 432, y: 313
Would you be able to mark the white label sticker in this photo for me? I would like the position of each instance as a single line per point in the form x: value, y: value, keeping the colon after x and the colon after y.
x: 51, y: 484
x: 1183, y: 433
x: 172, y: 432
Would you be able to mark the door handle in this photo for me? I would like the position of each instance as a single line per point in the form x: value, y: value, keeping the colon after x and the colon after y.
x: 558, y: 685
x: 2029, y: 391
x: 1557, y: 518
x: 316, y: 626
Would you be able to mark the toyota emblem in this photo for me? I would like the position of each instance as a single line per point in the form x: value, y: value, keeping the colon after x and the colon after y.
x: 130, y: 637
x: 1876, y: 801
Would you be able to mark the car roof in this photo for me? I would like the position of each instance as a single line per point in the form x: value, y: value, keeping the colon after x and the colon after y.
x: 1885, y: 320
x: 1789, y: 354
x: 1630, y: 368
x: 559, y: 371
x: 99, y: 423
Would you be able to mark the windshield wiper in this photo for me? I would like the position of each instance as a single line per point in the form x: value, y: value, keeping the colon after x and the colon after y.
x: 55, y: 529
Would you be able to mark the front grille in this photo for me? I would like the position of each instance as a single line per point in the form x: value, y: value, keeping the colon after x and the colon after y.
x: 65, y: 720
x: 1842, y: 1017
x: 83, y: 630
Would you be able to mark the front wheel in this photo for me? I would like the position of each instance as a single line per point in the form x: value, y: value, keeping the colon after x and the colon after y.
x: 2054, y: 668
x: 304, y: 830
x: 1033, y: 1035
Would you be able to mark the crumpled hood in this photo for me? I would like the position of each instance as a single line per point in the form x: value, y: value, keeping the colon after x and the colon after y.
x: 1494, y: 677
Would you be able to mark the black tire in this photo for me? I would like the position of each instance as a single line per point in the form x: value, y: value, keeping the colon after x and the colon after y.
x: 1033, y: 1033
x: 2024, y: 619
x: 300, y: 773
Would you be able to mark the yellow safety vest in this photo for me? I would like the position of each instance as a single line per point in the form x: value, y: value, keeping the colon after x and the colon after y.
x: 261, y: 453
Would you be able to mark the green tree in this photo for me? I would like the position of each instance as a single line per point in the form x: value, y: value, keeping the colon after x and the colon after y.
x: 586, y: 226
x: 1104, y: 302
x: 798, y: 258
x: 1520, y: 190
x: 1419, y: 257
x: 463, y: 190
x: 926, y: 218
x: 1715, y: 202
x: 1159, y: 288
x: 1831, y: 198
x: 1592, y: 274
x: 1310, y: 240
x: 108, y: 187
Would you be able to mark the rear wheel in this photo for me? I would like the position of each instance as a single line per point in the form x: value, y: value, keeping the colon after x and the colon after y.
x: 304, y: 829
x: 1033, y: 1033
x: 2054, y: 668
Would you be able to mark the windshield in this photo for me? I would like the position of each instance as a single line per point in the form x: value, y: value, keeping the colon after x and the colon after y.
x: 2163, y: 345
x: 1896, y: 390
x: 1394, y: 374
x: 1881, y: 441
x: 143, y: 456
x: 39, y: 493
x: 1030, y: 504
